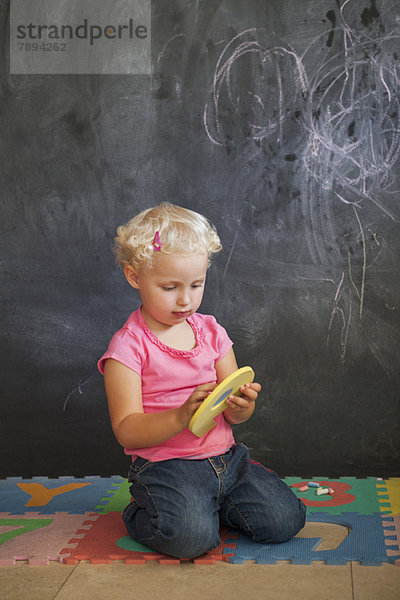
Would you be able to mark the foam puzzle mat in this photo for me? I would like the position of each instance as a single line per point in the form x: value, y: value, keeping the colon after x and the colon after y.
x: 68, y: 520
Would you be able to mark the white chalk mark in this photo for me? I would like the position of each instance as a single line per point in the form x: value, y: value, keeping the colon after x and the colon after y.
x: 77, y: 389
x: 364, y: 265
x: 233, y: 245
x: 345, y: 321
x: 258, y: 98
x: 317, y: 279
x: 351, y: 276
x: 356, y: 202
x: 375, y: 259
x: 163, y: 49
x: 339, y: 288
x: 267, y: 60
x: 384, y: 84
x: 350, y: 114
x: 346, y: 332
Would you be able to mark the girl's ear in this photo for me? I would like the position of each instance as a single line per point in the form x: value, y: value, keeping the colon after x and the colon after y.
x: 131, y: 276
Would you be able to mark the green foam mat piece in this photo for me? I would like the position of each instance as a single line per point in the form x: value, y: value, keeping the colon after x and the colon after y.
x: 351, y: 495
x: 118, y: 499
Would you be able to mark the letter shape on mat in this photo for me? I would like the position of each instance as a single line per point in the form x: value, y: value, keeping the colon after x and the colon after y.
x: 42, y: 495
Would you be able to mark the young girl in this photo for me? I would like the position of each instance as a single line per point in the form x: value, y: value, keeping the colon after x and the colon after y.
x: 158, y: 369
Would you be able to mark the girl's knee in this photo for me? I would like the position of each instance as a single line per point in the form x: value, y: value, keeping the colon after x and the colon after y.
x: 283, y: 526
x: 184, y: 542
x: 188, y: 544
x: 182, y: 537
x: 189, y: 536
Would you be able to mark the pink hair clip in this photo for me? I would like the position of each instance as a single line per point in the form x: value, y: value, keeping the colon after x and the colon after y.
x: 156, y: 242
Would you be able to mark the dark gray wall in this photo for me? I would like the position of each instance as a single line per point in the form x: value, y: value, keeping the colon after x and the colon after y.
x: 279, y: 120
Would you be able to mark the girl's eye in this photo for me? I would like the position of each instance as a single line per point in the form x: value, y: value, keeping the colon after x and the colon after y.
x: 197, y: 285
x: 168, y: 289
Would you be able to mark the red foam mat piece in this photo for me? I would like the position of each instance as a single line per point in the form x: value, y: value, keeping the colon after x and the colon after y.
x: 99, y: 545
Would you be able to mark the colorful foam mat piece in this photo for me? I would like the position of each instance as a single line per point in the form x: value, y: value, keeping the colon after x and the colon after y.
x: 71, y: 519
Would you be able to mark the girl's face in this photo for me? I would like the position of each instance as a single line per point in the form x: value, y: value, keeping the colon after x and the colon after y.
x: 172, y: 289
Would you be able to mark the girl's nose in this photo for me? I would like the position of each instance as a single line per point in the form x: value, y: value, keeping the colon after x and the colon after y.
x: 184, y: 299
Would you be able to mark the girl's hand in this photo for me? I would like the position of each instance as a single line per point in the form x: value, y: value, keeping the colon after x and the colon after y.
x: 187, y: 410
x: 240, y: 408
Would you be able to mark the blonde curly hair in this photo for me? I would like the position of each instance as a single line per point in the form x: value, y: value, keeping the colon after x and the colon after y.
x: 180, y: 230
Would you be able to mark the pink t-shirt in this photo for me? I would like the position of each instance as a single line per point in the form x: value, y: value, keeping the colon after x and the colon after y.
x: 169, y: 376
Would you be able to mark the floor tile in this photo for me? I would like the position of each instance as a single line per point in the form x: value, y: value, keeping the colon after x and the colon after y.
x: 33, y: 582
x: 227, y: 582
x: 222, y: 580
x: 372, y: 583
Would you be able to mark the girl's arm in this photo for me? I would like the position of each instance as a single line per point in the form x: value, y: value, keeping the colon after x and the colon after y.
x: 240, y: 407
x: 131, y: 426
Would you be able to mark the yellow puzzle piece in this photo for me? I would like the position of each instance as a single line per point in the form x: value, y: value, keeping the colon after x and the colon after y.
x: 203, y: 419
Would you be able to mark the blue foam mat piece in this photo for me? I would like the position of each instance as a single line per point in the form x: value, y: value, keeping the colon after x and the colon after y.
x: 13, y: 499
x: 365, y: 543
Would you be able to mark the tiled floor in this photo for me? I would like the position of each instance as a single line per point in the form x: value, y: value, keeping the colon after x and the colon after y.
x: 223, y: 581
x: 188, y: 581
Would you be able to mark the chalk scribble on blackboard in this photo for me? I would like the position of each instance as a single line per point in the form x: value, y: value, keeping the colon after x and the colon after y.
x: 78, y: 389
x: 342, y: 93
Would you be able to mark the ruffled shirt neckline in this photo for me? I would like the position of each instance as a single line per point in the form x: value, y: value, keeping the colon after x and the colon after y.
x: 175, y: 352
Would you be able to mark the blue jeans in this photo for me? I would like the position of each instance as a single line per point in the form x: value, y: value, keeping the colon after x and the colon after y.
x: 178, y: 505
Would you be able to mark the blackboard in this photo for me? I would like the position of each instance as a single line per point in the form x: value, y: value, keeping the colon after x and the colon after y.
x: 280, y: 122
